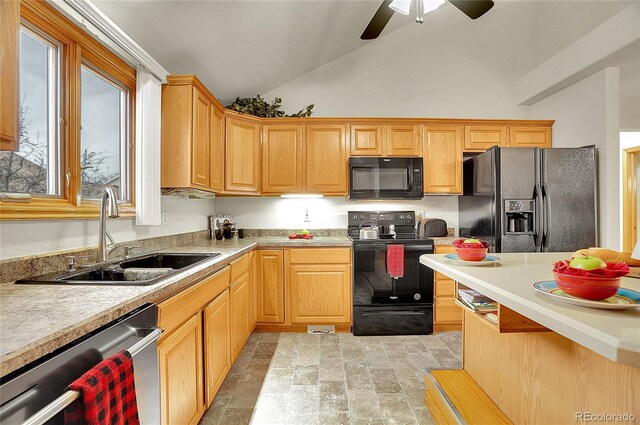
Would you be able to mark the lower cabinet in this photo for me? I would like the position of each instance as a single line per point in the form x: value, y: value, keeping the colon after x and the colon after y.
x: 217, y: 344
x: 270, y: 281
x: 253, y: 291
x: 239, y: 300
x: 446, y: 313
x: 181, y: 373
x: 320, y: 293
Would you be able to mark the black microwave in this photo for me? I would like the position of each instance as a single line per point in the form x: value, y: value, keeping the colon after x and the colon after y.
x: 385, y: 178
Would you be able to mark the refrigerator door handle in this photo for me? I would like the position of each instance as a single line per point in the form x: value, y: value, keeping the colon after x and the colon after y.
x: 545, y: 217
x: 537, y: 221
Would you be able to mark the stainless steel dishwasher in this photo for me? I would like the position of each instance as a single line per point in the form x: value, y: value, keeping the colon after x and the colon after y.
x: 36, y: 394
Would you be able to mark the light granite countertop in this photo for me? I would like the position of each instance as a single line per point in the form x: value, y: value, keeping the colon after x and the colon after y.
x: 38, y: 319
x: 614, y: 334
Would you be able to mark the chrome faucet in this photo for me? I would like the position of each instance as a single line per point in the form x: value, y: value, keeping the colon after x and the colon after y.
x: 108, y: 206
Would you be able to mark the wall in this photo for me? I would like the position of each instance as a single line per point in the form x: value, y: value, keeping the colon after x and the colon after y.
x: 20, y: 238
x: 587, y: 113
x: 325, y: 213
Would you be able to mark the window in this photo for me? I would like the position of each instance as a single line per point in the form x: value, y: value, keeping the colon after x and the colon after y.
x: 104, y: 158
x: 77, y: 103
x: 35, y: 168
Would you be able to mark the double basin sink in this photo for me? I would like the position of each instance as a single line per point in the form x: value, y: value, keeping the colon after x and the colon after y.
x: 139, y: 271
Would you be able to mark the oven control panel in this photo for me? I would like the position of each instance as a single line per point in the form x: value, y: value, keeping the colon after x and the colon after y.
x: 382, y: 218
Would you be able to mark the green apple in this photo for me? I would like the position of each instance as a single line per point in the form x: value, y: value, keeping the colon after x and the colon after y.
x: 305, y: 232
x: 472, y: 240
x: 586, y: 262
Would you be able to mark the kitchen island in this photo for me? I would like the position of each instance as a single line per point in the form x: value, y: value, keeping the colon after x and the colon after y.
x: 545, y: 361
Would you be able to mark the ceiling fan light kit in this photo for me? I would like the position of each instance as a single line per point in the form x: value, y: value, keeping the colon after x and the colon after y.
x: 472, y: 8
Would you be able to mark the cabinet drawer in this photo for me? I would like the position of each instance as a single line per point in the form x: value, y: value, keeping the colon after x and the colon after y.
x: 440, y: 276
x: 239, y: 267
x: 445, y: 288
x: 446, y: 311
x: 445, y: 249
x: 320, y: 256
x: 184, y: 305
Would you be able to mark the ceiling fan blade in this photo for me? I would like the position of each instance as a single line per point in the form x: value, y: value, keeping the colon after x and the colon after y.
x: 378, y: 22
x: 473, y: 8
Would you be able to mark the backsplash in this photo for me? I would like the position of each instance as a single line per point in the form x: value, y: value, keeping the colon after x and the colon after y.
x: 267, y: 233
x: 16, y: 268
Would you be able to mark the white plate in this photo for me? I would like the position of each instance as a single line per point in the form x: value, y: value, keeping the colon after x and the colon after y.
x: 625, y: 298
x: 489, y: 260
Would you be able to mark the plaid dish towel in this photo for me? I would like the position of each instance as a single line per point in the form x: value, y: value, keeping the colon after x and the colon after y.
x: 395, y: 260
x: 107, y: 394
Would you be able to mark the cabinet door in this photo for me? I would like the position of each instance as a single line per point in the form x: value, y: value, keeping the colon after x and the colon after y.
x: 216, y: 156
x: 9, y: 62
x: 270, y: 281
x: 181, y: 374
x: 239, y: 301
x: 253, y: 291
x: 320, y: 293
x: 326, y: 159
x: 282, y: 158
x: 200, y: 143
x: 217, y: 344
x: 242, y: 155
x: 530, y: 137
x: 366, y: 140
x: 443, y: 159
x: 479, y: 138
x: 403, y: 140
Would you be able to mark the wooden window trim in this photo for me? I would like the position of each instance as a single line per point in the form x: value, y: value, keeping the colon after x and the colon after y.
x: 77, y: 46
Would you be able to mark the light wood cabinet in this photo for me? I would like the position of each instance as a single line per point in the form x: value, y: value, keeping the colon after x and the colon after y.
x: 326, y: 158
x: 479, y: 138
x: 529, y: 136
x: 9, y: 74
x: 320, y: 286
x: 282, y: 160
x: 191, y: 135
x: 216, y: 163
x: 443, y: 159
x: 403, y: 140
x: 253, y: 291
x: 217, y: 344
x: 239, y: 301
x: 270, y: 282
x: 181, y: 374
x: 367, y: 140
x: 320, y: 293
x: 242, y: 155
x: 201, y: 137
x: 447, y: 315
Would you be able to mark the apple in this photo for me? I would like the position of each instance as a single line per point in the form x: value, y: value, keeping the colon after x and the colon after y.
x: 586, y: 262
x: 305, y: 232
x: 472, y: 240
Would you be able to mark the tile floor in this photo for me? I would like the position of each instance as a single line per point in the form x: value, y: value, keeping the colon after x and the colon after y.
x: 335, y: 379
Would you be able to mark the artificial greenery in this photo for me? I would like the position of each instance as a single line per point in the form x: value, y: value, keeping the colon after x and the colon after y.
x: 259, y: 107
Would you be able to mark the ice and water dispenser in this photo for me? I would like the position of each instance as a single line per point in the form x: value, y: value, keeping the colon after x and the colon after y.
x: 519, y: 216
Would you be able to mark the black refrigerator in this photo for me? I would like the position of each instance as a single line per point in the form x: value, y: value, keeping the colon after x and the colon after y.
x: 531, y: 199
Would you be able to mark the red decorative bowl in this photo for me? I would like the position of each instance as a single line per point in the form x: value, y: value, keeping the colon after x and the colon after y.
x: 471, y: 254
x: 590, y: 288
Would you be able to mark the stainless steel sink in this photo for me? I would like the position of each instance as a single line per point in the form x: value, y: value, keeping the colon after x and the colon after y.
x: 151, y: 268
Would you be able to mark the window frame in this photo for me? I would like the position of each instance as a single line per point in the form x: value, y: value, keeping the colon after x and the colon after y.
x: 77, y: 47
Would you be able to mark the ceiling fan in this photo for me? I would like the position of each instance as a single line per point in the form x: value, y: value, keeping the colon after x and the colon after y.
x: 472, y: 8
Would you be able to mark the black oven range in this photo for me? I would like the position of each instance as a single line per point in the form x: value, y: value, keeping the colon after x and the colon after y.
x: 383, y: 305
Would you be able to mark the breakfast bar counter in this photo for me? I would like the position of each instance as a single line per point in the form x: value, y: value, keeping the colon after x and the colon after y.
x: 551, y: 361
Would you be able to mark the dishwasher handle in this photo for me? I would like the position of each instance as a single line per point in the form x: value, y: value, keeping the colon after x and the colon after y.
x: 68, y: 397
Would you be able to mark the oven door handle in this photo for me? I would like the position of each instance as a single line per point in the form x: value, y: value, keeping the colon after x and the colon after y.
x: 395, y: 313
x: 428, y: 249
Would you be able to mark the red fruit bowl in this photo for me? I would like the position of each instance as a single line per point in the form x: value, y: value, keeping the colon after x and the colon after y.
x: 471, y: 254
x: 590, y: 288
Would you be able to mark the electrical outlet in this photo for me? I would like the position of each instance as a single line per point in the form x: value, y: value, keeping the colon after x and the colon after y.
x: 306, y: 215
x: 164, y: 218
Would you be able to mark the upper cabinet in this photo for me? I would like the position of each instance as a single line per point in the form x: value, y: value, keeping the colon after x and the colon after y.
x: 385, y: 140
x: 282, y: 160
x: 367, y: 140
x: 9, y: 88
x: 192, y: 144
x: 479, y: 138
x: 242, y: 158
x: 530, y: 136
x: 443, y: 159
x: 403, y: 140
x: 326, y: 158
